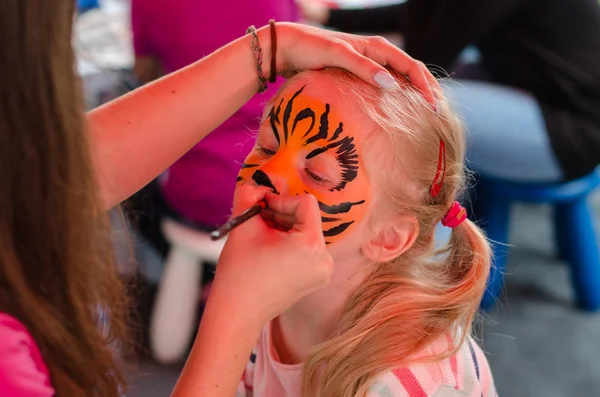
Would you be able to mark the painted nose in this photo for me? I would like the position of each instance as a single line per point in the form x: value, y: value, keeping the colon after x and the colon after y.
x: 262, y: 179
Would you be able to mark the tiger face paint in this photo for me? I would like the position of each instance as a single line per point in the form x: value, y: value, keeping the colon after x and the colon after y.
x: 306, y: 145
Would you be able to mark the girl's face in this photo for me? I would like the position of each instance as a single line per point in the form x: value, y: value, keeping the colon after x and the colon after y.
x: 311, y: 143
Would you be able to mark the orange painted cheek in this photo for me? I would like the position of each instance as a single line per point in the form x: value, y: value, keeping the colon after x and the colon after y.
x: 341, y: 212
x: 251, y: 164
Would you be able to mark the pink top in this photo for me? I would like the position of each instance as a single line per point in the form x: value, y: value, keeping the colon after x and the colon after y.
x: 23, y: 372
x: 466, y: 373
x: 177, y: 33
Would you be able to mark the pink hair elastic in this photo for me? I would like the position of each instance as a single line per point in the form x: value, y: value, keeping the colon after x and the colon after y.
x: 455, y: 216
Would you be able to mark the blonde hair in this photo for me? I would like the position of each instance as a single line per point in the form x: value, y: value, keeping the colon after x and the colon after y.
x: 407, y: 303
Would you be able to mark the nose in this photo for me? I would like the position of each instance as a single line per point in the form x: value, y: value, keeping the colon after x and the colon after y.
x: 262, y: 179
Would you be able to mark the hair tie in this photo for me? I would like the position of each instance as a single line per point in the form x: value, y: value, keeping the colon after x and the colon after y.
x: 273, y: 30
x: 455, y: 216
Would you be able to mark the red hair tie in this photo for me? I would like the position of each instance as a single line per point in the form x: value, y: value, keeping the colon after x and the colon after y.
x: 455, y: 216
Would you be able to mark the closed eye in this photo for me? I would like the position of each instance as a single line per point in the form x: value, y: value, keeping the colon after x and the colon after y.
x: 316, y: 177
x: 265, y: 151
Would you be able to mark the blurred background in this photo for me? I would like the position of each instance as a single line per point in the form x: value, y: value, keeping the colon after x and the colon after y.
x: 541, y: 333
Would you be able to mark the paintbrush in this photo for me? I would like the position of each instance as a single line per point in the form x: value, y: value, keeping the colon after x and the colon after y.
x: 238, y: 220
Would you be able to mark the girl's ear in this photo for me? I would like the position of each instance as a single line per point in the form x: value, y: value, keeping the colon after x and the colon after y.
x: 391, y: 239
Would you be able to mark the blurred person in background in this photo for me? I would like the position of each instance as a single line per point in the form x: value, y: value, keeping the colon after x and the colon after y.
x: 531, y: 101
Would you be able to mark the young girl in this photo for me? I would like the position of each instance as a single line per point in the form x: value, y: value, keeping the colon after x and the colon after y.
x: 56, y: 259
x: 395, y: 320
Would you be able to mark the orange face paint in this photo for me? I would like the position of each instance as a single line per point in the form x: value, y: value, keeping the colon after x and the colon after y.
x: 304, y: 146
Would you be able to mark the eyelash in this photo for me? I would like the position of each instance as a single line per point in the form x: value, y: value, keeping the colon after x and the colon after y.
x: 316, y: 178
x: 265, y: 151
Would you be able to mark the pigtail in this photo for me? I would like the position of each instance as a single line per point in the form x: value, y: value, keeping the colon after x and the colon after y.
x: 468, y: 266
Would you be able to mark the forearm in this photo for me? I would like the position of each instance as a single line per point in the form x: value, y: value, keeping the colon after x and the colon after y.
x: 228, y: 331
x: 369, y: 20
x: 136, y: 137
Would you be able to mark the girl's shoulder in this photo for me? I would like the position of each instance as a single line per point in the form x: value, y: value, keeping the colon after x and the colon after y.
x: 22, y: 369
x: 465, y: 373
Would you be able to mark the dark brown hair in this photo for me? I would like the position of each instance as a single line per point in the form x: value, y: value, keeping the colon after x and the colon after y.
x: 57, y: 267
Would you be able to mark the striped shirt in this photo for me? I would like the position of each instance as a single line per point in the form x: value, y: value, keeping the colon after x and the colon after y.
x: 464, y: 374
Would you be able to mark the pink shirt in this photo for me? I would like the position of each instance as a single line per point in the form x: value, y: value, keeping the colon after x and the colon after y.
x: 466, y: 373
x: 177, y: 33
x: 23, y: 372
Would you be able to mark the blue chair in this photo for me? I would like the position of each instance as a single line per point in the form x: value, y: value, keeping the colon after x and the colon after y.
x: 85, y: 5
x: 573, y: 223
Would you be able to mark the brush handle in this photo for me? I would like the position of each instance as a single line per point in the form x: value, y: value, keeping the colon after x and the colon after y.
x: 238, y: 220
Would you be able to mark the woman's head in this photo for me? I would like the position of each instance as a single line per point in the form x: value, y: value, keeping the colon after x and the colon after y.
x: 373, y: 156
x: 56, y: 267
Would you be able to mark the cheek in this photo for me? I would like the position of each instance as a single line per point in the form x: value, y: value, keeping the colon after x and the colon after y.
x: 342, y: 212
x: 251, y: 164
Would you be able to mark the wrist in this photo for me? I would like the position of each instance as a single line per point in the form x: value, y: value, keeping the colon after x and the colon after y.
x: 264, y: 36
x: 241, y: 311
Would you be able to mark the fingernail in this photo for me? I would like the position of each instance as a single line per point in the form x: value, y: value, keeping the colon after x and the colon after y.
x: 384, y: 79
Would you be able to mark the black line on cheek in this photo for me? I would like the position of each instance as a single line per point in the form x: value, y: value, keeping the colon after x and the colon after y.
x: 327, y: 219
x: 246, y: 166
x: 338, y: 209
x: 323, y: 127
x: 288, y: 113
x: 334, y: 231
x: 239, y: 179
x: 302, y: 115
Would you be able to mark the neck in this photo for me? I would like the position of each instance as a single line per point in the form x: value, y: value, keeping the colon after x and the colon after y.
x: 313, y: 319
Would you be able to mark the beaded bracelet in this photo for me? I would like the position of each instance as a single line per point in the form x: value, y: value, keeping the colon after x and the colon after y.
x: 258, y: 56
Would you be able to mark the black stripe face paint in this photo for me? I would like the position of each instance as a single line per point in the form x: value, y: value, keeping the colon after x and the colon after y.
x: 310, y: 143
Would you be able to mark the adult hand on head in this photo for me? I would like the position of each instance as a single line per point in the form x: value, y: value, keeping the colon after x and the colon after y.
x: 266, y: 268
x: 302, y: 47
